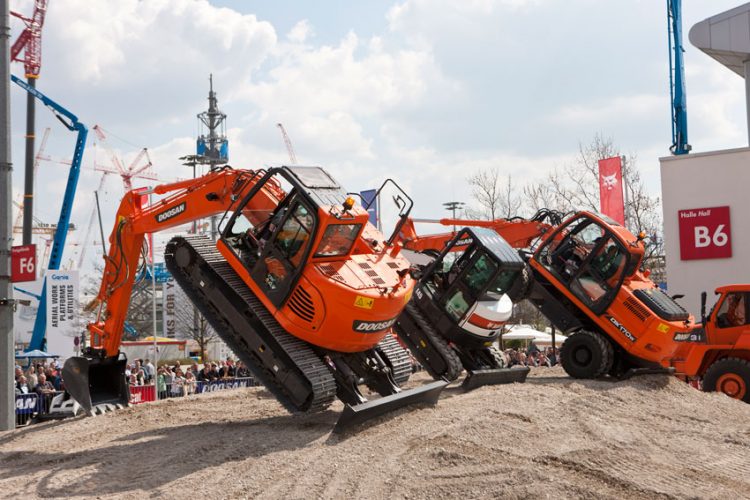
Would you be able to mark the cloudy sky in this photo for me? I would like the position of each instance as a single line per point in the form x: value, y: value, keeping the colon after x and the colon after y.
x: 426, y: 92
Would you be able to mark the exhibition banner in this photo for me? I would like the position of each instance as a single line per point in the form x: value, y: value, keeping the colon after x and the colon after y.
x: 63, y: 325
x: 611, y: 197
x: 169, y: 316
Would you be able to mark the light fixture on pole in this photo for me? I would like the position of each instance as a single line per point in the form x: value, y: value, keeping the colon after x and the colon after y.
x: 453, y: 206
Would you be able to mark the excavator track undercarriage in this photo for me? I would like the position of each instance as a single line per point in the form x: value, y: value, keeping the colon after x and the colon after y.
x: 302, y: 377
x: 287, y: 366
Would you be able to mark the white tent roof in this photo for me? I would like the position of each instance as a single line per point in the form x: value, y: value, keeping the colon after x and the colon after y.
x: 526, y: 332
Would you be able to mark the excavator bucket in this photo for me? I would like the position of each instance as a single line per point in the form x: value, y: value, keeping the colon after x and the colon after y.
x: 354, y: 415
x: 493, y: 376
x: 96, y: 384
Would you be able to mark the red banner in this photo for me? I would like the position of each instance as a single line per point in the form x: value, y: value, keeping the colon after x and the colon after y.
x: 142, y: 394
x: 705, y: 233
x: 611, y: 197
x: 23, y: 263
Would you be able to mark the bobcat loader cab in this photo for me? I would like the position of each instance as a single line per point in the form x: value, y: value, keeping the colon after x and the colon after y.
x: 457, y: 311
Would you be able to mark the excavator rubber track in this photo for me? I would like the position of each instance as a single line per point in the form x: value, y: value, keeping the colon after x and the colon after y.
x: 286, y: 365
x: 430, y: 349
x: 398, y: 358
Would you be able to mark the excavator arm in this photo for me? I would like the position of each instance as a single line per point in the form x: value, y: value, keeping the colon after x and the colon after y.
x: 96, y: 379
x: 517, y: 231
x: 185, y: 202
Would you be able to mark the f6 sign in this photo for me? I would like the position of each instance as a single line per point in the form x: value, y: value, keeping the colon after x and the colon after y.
x: 705, y: 233
x: 23, y: 263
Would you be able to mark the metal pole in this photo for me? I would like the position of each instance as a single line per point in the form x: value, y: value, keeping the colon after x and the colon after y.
x: 28, y: 191
x: 625, y: 192
x: 153, y: 310
x: 7, y: 363
x: 101, y: 228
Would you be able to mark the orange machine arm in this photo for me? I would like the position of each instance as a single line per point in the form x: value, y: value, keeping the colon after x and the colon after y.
x: 187, y: 201
x: 519, y: 233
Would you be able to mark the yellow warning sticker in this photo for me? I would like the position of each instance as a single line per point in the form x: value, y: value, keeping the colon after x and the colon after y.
x: 662, y: 328
x: 364, y: 302
x: 407, y: 297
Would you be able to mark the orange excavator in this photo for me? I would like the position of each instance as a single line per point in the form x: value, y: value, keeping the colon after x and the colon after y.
x: 299, y: 285
x: 584, y: 273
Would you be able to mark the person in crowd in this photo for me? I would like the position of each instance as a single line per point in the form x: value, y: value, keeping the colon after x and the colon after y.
x: 231, y: 368
x: 161, y: 382
x: 551, y: 356
x: 148, y: 367
x: 132, y: 380
x: 169, y: 378
x: 178, y: 383
x: 176, y: 366
x: 194, y: 368
x: 31, y: 376
x: 532, y: 349
x: 242, y: 371
x: 205, y: 374
x: 19, y: 373
x: 140, y: 377
x: 44, y: 387
x: 189, y: 383
x: 22, y: 386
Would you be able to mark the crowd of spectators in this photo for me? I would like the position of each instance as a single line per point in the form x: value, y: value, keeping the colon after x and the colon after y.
x: 41, y: 377
x: 532, y: 356
x: 178, y: 380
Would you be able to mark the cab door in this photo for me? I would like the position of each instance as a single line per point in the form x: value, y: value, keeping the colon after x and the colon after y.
x: 283, y: 256
x: 731, y: 318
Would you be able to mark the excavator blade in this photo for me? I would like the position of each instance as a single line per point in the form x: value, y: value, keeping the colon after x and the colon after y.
x: 96, y: 383
x: 354, y: 415
x: 478, y: 378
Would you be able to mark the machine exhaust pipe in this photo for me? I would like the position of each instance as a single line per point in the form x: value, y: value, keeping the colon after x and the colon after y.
x: 354, y: 415
x: 96, y: 383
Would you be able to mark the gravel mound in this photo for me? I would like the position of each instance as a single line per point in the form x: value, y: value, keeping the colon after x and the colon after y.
x: 648, y: 437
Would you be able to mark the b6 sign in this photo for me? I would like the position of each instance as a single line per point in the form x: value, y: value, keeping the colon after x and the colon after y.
x: 23, y: 263
x: 705, y: 233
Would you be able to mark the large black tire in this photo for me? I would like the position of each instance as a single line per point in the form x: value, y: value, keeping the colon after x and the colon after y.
x: 730, y: 376
x: 521, y: 289
x: 586, y: 355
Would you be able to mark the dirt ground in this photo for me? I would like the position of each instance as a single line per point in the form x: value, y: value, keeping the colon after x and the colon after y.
x: 553, y: 437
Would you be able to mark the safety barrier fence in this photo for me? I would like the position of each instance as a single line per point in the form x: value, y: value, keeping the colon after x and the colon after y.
x: 31, y: 405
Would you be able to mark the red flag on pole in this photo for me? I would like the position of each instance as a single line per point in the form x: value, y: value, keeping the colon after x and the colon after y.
x: 611, y: 197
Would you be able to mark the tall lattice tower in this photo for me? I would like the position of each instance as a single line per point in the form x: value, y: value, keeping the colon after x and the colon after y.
x: 212, y: 144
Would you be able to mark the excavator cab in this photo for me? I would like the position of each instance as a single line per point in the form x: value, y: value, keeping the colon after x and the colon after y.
x: 590, y: 260
x: 459, y: 308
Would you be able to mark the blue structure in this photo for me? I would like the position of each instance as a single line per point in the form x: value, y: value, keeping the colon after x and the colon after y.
x: 677, y: 94
x: 38, y: 340
x: 212, y: 146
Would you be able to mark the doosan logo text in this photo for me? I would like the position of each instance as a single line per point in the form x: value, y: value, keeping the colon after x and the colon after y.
x: 372, y: 326
x: 172, y: 212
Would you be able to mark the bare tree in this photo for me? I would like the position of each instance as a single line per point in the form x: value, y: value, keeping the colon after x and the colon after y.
x: 495, y: 196
x: 575, y: 186
x: 203, y: 336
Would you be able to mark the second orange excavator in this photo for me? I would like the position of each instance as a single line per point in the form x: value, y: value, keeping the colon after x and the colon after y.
x: 300, y: 286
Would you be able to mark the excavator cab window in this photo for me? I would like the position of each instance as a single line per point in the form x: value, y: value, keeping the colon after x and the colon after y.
x: 589, y: 260
x: 733, y: 310
x: 282, y: 257
x: 470, y: 278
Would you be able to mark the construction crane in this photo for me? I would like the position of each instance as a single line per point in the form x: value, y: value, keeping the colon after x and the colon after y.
x: 30, y: 42
x: 677, y: 94
x: 71, y: 123
x: 39, y: 227
x: 288, y: 143
x: 136, y: 169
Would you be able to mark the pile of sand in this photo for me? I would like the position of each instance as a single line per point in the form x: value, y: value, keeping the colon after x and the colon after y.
x: 649, y: 437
